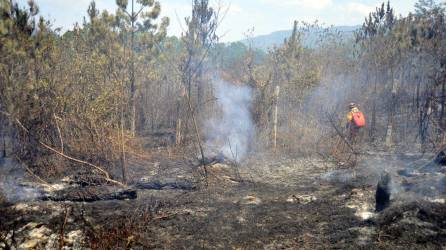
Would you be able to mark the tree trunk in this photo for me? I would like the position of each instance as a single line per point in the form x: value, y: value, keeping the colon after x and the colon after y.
x: 393, y: 103
x: 178, y: 124
x: 132, y: 77
x: 3, y: 134
x: 123, y: 160
x: 200, y: 91
x: 178, y: 132
x: 373, y: 122
x: 420, y: 111
x: 443, y: 88
x: 276, y: 110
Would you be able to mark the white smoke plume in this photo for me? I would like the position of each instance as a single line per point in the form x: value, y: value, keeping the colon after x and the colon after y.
x: 11, y: 182
x: 231, y: 129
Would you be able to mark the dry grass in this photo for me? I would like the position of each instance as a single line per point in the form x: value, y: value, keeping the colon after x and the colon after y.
x: 123, y: 232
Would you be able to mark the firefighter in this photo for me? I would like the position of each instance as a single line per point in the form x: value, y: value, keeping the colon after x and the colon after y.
x: 355, y: 121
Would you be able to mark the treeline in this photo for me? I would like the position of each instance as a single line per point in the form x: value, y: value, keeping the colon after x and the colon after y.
x: 84, y: 97
x: 77, y: 92
x: 88, y: 94
x: 393, y: 67
x: 402, y: 64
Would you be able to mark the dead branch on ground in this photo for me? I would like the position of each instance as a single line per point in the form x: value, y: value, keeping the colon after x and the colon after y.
x: 62, y: 228
x: 341, y: 135
x: 100, y: 169
x: 342, y: 152
x: 30, y: 172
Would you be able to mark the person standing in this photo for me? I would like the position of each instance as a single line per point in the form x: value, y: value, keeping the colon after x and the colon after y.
x: 355, y: 122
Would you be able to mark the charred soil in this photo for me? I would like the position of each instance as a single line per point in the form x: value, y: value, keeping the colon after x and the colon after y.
x: 267, y: 202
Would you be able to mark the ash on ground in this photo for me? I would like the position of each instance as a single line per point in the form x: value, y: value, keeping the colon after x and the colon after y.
x: 262, y: 202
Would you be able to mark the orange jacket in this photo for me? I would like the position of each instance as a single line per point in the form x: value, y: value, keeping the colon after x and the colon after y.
x: 350, y: 114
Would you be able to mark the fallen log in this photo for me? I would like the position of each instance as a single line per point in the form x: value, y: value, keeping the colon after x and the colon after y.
x: 440, y: 157
x: 166, y: 184
x: 90, y: 195
x: 210, y: 160
x: 436, y: 165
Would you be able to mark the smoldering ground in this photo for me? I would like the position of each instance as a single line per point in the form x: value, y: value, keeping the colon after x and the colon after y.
x: 410, y: 179
x: 230, y: 131
x: 12, y: 175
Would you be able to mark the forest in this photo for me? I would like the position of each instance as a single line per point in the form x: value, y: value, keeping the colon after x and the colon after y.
x: 116, y: 135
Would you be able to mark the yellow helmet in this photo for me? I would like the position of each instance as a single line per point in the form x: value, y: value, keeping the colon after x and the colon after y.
x: 352, y: 105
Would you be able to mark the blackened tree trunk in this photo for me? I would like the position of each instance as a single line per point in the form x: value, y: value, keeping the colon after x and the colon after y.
x: 382, y: 195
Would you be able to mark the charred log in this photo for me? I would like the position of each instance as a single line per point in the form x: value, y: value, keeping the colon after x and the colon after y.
x: 437, y: 164
x: 382, y: 195
x: 210, y: 160
x: 91, y: 195
x: 440, y: 158
x: 86, y: 179
x: 167, y: 184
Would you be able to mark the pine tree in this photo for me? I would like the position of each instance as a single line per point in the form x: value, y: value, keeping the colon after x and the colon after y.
x: 199, y: 38
x: 140, y: 18
x: 424, y: 7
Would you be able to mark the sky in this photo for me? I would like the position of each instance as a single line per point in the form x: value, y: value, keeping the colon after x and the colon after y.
x: 239, y: 17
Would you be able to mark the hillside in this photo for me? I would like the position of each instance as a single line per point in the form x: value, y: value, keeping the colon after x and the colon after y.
x: 276, y: 38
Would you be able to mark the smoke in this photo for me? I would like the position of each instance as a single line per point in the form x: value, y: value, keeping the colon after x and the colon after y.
x: 410, y: 179
x: 12, y: 182
x: 231, y: 130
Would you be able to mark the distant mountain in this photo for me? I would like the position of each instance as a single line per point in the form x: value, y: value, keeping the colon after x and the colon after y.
x: 309, y: 38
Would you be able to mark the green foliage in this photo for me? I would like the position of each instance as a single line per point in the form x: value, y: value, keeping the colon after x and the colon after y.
x: 199, y: 39
x: 228, y: 55
x: 378, y: 22
x: 122, y: 4
x: 92, y: 11
x: 425, y: 7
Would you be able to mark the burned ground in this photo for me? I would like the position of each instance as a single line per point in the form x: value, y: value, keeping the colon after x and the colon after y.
x: 273, y: 203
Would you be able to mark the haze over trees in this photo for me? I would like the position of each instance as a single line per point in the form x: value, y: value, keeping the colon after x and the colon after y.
x: 115, y: 92
x: 91, y: 92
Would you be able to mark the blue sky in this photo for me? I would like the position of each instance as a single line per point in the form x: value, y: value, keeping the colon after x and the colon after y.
x: 265, y: 16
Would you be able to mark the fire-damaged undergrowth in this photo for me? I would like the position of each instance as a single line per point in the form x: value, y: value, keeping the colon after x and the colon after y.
x: 421, y: 223
x: 268, y: 203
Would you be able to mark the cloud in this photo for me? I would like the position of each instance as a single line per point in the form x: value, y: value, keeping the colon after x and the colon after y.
x: 176, y: 12
x: 235, y: 8
x: 359, y: 8
x: 310, y: 4
x: 265, y: 15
